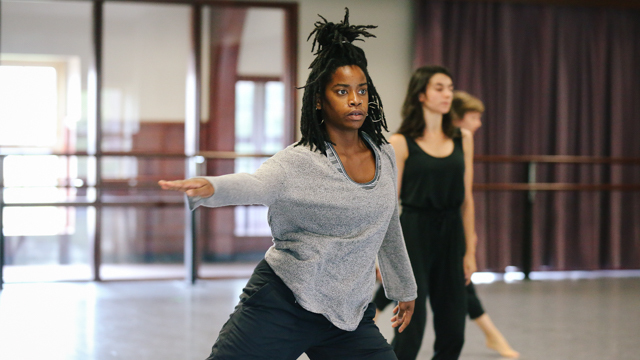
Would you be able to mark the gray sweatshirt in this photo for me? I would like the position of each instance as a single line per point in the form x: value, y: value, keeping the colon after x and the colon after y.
x: 327, y: 229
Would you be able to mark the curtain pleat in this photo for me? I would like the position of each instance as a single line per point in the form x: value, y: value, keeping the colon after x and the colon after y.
x: 555, y: 80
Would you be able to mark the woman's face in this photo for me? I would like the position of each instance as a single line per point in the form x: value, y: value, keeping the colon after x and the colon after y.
x: 346, y: 99
x: 438, y: 94
x: 472, y: 121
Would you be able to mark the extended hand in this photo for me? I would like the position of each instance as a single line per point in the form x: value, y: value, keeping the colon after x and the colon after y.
x: 403, y: 313
x: 192, y: 187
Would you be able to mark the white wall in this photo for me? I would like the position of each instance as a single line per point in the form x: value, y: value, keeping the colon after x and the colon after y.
x: 262, y: 45
x: 389, y: 54
x: 145, y: 58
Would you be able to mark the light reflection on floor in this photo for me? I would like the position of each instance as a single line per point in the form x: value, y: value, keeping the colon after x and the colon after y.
x: 83, y: 272
x: 512, y: 276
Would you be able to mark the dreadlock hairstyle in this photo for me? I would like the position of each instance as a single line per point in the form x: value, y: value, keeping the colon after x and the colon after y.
x: 413, y: 123
x: 334, y: 50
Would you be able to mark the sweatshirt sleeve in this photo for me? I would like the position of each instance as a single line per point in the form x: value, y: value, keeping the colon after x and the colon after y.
x: 393, y: 260
x: 260, y: 188
x: 397, y: 275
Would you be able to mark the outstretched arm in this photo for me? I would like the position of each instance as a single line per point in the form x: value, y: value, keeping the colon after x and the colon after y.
x: 192, y: 187
x: 262, y: 187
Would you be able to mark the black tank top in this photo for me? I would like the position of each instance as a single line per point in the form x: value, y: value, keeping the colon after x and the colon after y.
x: 432, y: 183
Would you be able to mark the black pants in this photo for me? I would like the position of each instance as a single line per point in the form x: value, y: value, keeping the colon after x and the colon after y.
x: 474, y: 306
x: 436, y: 247
x: 268, y: 324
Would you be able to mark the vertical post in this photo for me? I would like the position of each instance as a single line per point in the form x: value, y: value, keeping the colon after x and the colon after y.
x: 527, y: 240
x: 1, y: 189
x: 1, y: 221
x: 291, y: 71
x: 191, y: 137
x: 94, y: 134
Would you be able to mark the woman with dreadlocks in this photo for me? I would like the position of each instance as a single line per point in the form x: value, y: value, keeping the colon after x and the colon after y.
x: 332, y: 211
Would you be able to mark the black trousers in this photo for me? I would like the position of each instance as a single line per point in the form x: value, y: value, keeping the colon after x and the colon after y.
x: 474, y: 306
x: 436, y: 247
x: 268, y: 324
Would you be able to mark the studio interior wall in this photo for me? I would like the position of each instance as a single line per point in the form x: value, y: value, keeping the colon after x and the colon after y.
x: 389, y: 54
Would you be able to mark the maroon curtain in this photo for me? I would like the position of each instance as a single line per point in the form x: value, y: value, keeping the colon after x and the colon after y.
x: 555, y: 80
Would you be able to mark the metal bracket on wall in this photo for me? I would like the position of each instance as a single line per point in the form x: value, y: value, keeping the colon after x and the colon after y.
x: 527, y: 240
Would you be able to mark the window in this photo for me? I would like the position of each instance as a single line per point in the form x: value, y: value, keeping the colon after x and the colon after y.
x: 259, y: 128
x: 28, y: 106
x: 33, y: 109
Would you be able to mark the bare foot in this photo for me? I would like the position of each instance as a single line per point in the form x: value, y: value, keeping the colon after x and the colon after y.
x: 495, y: 339
x: 502, y: 347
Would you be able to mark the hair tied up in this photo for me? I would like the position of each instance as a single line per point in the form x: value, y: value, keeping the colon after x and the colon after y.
x: 334, y: 50
x: 328, y: 33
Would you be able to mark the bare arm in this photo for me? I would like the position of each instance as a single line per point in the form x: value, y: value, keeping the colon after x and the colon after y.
x: 468, y: 207
x: 401, y: 149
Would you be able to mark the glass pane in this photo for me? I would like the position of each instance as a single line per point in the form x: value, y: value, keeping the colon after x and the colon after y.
x: 44, y: 179
x: 144, y: 77
x: 244, y: 51
x: 259, y: 129
x: 143, y: 110
x: 142, y: 242
x: 130, y: 179
x: 46, y: 53
x: 262, y: 43
x: 47, y: 243
x: 28, y: 106
x: 274, y: 117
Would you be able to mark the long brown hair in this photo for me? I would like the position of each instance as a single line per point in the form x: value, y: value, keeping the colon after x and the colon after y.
x: 413, y: 123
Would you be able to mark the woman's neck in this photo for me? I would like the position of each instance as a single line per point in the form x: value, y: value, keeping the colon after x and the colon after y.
x: 346, y: 141
x: 433, y: 121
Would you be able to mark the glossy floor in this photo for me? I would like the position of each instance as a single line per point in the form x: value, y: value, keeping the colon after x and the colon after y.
x: 594, y: 318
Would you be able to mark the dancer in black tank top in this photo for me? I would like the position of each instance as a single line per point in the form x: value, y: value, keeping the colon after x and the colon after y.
x: 435, y: 170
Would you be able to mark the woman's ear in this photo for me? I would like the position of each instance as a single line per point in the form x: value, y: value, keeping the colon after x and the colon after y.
x: 422, y: 97
x: 318, y: 103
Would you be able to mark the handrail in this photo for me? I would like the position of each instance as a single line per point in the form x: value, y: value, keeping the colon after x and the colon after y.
x: 476, y: 186
x: 554, y: 187
x: 555, y: 159
x: 150, y: 182
x: 229, y: 155
x: 214, y: 155
x: 102, y: 203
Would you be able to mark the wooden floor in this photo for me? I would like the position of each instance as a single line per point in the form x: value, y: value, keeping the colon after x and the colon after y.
x: 564, y: 316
